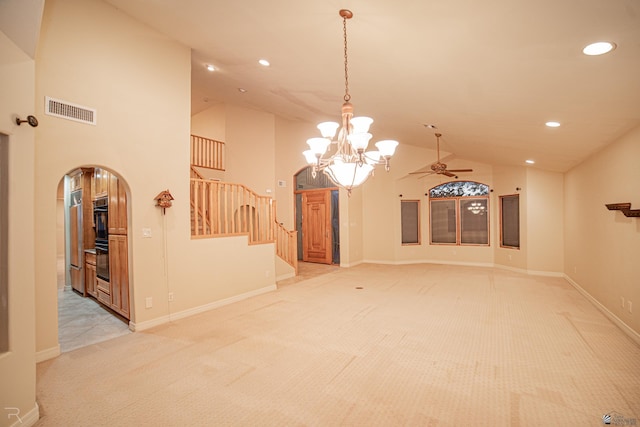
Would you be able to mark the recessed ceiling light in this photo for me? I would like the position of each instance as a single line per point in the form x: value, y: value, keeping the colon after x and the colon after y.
x: 553, y: 124
x: 598, y: 48
x: 264, y: 62
x: 530, y: 161
x: 242, y: 90
x: 211, y: 67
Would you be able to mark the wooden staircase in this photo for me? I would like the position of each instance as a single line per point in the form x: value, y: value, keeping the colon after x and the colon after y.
x: 222, y: 209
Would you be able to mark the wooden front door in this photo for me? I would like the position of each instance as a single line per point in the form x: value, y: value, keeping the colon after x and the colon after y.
x: 316, y: 226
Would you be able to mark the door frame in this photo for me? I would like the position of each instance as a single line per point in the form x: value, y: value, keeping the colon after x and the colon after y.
x: 324, y: 185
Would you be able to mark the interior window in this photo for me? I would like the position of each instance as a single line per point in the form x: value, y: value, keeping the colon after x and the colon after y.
x: 459, y: 213
x: 510, y: 221
x: 410, y: 221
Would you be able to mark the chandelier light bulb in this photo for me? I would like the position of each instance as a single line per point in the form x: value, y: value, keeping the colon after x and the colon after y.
x: 387, y: 147
x: 359, y: 141
x: 310, y: 157
x: 328, y: 129
x: 318, y: 145
x: 361, y: 124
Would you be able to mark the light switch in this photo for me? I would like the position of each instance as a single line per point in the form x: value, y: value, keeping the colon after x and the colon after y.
x: 146, y: 233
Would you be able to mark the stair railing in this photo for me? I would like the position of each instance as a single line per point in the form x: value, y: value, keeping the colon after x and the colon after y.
x: 221, y: 209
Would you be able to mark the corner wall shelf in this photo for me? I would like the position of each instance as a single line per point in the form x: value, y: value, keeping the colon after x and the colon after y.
x: 625, y: 208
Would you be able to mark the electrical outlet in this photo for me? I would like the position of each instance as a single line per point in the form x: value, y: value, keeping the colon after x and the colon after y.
x: 170, y: 296
x: 630, y: 304
x: 148, y: 302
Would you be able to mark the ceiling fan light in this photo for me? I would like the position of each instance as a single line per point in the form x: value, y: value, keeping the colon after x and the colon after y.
x: 387, y: 147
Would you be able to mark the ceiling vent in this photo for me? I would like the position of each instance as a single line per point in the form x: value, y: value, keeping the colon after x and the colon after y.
x: 69, y: 111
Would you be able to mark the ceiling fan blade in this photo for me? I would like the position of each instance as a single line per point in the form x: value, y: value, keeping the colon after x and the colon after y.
x: 418, y: 172
x: 460, y: 170
x: 426, y: 174
x: 448, y: 173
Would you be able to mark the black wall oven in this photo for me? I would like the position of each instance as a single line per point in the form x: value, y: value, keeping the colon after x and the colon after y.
x: 102, y: 260
x: 100, y: 212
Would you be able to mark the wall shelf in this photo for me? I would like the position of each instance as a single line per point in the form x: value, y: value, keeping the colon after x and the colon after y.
x: 625, y: 208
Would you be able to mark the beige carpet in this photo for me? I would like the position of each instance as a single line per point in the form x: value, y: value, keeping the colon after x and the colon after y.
x: 417, y: 345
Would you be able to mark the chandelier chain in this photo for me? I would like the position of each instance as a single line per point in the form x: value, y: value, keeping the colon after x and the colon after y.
x: 347, y: 96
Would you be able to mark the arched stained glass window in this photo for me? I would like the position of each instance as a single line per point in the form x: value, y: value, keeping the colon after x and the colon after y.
x: 459, y: 189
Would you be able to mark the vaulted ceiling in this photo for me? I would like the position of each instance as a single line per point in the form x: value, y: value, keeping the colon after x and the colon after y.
x: 487, y: 74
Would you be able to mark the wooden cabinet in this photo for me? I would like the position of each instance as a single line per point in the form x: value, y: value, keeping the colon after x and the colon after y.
x: 100, y: 183
x: 90, y: 274
x: 117, y: 206
x: 75, y: 180
x: 119, y: 274
x: 103, y: 289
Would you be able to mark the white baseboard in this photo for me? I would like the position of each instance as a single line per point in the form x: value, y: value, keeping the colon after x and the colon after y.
x: 136, y: 327
x: 285, y: 276
x: 635, y: 336
x: 530, y: 272
x: 200, y: 309
x: 47, y: 354
x: 24, y: 420
x: 347, y: 265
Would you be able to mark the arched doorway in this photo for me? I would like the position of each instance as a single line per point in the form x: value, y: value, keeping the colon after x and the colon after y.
x: 317, y: 218
x: 93, y: 262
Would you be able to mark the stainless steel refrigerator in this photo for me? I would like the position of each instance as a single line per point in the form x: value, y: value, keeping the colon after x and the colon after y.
x: 75, y: 242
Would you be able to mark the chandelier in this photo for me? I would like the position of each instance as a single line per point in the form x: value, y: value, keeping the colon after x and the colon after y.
x: 476, y: 208
x: 348, y: 165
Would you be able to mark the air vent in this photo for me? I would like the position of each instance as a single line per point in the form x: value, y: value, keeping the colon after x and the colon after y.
x: 69, y: 111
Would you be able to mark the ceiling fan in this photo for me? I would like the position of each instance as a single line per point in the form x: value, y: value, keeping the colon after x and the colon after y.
x: 439, y: 167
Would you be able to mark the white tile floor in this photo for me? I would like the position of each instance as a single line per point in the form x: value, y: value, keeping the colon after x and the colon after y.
x: 83, y: 321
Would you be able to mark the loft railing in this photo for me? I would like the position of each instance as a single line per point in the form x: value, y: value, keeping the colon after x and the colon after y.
x: 226, y: 209
x: 207, y: 153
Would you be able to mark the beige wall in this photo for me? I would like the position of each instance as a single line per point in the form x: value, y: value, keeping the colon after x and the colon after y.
x: 250, y: 149
x: 17, y: 367
x: 602, y: 247
x: 545, y: 230
x: 142, y: 134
